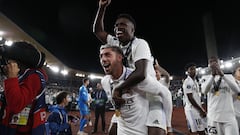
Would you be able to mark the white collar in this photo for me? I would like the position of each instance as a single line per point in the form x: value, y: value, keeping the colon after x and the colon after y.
x: 122, y: 77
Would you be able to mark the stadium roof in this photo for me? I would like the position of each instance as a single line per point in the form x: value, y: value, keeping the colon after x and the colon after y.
x: 12, y: 32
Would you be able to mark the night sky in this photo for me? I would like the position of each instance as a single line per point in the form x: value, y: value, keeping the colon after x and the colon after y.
x: 174, y: 29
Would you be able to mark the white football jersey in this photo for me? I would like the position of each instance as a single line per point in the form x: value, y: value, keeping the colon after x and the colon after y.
x: 191, y: 86
x: 134, y: 111
x: 140, y: 50
x: 220, y: 104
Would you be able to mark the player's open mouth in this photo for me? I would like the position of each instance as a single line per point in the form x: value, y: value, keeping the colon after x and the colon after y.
x: 106, y: 66
x: 119, y: 33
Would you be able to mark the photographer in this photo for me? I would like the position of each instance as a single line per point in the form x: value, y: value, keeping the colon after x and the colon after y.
x: 23, y: 90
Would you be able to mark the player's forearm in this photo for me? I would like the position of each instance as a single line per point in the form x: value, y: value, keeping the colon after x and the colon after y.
x: 207, y: 85
x: 98, y: 25
x: 132, y: 80
x: 138, y: 75
x: 195, y: 105
x: 164, y: 72
x: 232, y: 84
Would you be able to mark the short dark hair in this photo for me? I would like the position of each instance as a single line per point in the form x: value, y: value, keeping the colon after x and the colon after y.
x: 188, y: 65
x: 129, y: 17
x: 60, y: 96
x: 213, y: 58
x: 114, y: 48
x: 85, y: 80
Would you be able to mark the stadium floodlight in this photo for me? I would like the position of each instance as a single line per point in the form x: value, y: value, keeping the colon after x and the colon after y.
x: 222, y: 66
x: 8, y: 42
x: 80, y: 75
x: 228, y: 64
x: 64, y: 72
x: 92, y: 76
x: 54, y: 69
x: 1, y: 33
x: 202, y: 71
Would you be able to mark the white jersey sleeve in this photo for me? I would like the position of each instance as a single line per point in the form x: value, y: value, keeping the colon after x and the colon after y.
x: 191, y: 86
x: 106, y: 86
x: 206, y: 82
x: 140, y: 46
x: 229, y: 79
x: 141, y: 50
x: 188, y: 86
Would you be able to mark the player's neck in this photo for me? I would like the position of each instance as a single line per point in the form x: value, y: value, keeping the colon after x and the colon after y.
x: 116, y: 75
x: 128, y: 42
x: 192, y: 76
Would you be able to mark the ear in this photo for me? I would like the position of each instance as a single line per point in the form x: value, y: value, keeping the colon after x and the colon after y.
x: 120, y: 57
x: 133, y: 31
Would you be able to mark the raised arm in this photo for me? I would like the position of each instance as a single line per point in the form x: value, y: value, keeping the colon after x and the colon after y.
x: 206, y: 85
x: 163, y: 71
x: 98, y: 25
x: 135, y: 77
x: 231, y: 83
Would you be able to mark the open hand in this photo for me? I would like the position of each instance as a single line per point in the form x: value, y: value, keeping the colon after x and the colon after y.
x: 104, y: 2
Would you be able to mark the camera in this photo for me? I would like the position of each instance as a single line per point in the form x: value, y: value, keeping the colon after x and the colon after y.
x: 24, y: 53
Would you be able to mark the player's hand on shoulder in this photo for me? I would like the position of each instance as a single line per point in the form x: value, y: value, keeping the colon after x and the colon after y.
x: 117, y: 98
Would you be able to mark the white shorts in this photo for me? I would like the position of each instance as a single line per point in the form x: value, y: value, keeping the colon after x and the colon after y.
x: 223, y: 128
x: 135, y: 128
x: 157, y: 118
x: 195, y: 121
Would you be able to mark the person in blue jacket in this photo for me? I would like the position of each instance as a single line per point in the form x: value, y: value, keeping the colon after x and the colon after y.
x: 58, y: 118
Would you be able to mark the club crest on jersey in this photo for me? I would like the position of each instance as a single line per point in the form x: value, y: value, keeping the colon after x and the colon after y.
x: 189, y: 86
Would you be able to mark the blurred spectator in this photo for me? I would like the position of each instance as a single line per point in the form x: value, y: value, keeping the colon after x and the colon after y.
x: 179, y: 100
x: 74, y: 102
x: 100, y: 99
x: 58, y: 118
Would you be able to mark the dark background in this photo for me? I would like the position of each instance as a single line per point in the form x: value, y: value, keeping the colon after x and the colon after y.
x: 173, y: 28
